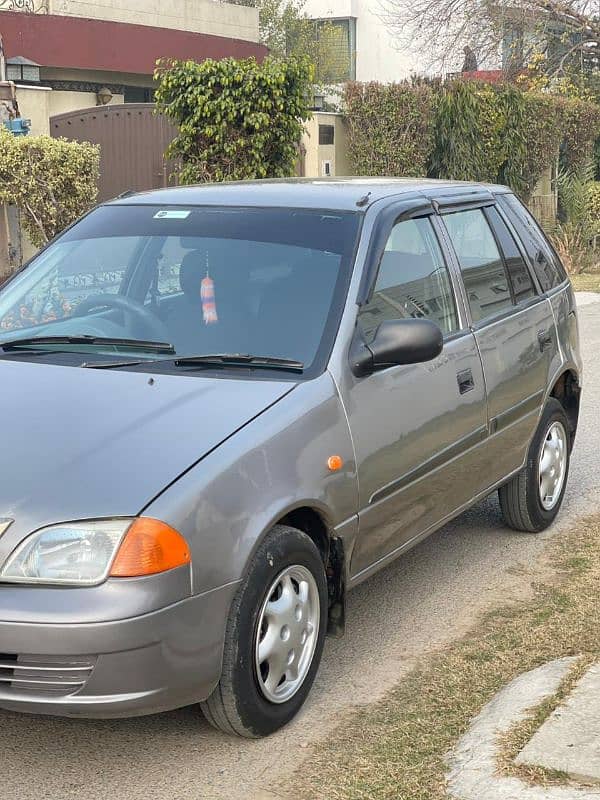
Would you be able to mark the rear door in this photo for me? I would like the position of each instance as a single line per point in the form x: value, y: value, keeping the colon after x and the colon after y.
x: 513, y: 326
x: 553, y: 281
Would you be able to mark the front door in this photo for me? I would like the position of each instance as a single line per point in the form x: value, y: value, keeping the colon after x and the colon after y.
x: 417, y: 429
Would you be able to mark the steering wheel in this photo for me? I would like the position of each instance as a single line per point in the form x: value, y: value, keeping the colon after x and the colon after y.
x: 143, y: 319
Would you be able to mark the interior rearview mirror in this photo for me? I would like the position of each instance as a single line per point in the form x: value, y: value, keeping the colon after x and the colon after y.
x: 396, y: 341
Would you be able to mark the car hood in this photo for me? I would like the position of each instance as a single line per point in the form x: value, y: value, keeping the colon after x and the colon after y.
x: 81, y: 443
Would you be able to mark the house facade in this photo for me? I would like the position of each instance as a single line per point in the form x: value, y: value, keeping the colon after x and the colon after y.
x: 367, y: 49
x: 65, y: 55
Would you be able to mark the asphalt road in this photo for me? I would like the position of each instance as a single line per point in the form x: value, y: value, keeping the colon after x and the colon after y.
x: 424, y: 600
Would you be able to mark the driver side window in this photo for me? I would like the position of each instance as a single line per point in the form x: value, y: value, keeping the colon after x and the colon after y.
x: 93, y: 266
x: 413, y: 281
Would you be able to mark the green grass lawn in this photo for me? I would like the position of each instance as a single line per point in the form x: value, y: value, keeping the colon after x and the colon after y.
x: 395, y: 749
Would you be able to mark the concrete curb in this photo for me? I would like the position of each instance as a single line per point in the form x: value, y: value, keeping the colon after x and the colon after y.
x: 569, y: 740
x: 473, y: 771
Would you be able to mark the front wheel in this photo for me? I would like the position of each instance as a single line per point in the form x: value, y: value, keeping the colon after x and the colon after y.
x: 274, y: 638
x: 531, y: 499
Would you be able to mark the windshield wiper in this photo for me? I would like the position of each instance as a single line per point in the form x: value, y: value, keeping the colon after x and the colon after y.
x: 128, y: 344
x: 210, y: 360
x: 239, y: 360
x: 116, y: 364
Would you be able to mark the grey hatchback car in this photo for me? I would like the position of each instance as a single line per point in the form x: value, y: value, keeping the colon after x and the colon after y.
x: 224, y: 406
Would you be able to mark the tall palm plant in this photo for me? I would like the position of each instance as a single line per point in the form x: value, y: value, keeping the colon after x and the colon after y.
x: 578, y: 228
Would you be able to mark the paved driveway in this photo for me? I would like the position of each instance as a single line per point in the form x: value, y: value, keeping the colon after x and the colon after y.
x: 422, y: 601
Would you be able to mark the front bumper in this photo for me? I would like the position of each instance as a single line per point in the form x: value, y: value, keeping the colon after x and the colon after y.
x: 145, y: 664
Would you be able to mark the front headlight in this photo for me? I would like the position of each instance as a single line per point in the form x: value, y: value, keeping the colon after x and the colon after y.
x: 86, y: 553
x: 76, y: 553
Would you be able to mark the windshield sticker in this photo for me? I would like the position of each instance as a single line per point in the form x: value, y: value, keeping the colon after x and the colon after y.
x: 172, y: 214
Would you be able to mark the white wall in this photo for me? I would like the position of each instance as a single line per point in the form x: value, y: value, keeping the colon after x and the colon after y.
x: 34, y: 104
x: 63, y: 102
x: 316, y: 154
x: 199, y: 16
x: 377, y: 58
x: 39, y: 103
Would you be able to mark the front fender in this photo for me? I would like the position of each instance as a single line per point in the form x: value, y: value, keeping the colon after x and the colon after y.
x: 277, y: 462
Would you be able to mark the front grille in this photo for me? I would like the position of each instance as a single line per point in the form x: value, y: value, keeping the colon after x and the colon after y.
x: 49, y: 675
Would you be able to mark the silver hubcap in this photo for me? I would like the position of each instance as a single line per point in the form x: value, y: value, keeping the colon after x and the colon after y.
x: 552, y: 465
x: 287, y: 632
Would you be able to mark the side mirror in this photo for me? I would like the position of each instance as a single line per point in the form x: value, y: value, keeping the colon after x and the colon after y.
x: 397, y: 341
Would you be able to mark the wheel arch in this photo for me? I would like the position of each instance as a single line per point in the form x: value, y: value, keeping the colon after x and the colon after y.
x: 315, y: 521
x: 566, y: 389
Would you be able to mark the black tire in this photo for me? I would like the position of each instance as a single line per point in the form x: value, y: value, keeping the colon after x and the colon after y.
x: 520, y: 501
x: 237, y: 705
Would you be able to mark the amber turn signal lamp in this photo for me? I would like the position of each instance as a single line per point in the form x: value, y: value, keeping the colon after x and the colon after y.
x: 335, y: 462
x: 149, y: 546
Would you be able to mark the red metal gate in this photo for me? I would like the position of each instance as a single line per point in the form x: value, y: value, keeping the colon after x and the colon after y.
x: 132, y: 140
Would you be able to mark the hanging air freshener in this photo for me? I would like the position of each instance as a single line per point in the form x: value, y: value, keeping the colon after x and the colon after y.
x: 207, y: 295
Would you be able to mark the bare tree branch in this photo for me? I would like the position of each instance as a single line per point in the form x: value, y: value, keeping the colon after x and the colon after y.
x: 569, y: 29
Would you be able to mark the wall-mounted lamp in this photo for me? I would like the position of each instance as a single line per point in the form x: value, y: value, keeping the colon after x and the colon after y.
x: 104, y: 96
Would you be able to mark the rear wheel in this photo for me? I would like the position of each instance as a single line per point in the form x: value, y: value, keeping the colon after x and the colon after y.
x: 274, y: 638
x: 531, y: 499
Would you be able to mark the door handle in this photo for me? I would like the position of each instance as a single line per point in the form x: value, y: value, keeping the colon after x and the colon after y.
x: 465, y: 381
x: 544, y: 339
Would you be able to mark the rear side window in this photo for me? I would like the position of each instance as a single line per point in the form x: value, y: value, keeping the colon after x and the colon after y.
x: 518, y: 272
x: 547, y: 265
x: 413, y: 281
x: 481, y: 264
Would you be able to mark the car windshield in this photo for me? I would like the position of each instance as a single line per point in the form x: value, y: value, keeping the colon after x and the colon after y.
x: 207, y: 280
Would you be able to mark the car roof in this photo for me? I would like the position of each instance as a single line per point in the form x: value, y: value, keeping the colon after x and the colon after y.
x: 329, y: 193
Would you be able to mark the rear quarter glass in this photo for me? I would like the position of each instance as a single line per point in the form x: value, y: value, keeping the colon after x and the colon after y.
x: 544, y: 259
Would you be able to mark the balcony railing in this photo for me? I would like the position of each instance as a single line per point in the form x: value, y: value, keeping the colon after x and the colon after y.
x: 27, y: 6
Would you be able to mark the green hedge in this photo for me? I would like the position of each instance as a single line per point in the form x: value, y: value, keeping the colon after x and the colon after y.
x: 466, y: 130
x: 390, y: 127
x: 51, y: 181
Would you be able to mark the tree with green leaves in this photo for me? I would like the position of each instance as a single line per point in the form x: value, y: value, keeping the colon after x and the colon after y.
x: 237, y: 120
x: 288, y: 32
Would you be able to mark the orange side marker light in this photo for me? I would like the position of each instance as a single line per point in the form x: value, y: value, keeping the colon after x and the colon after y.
x: 334, y: 463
